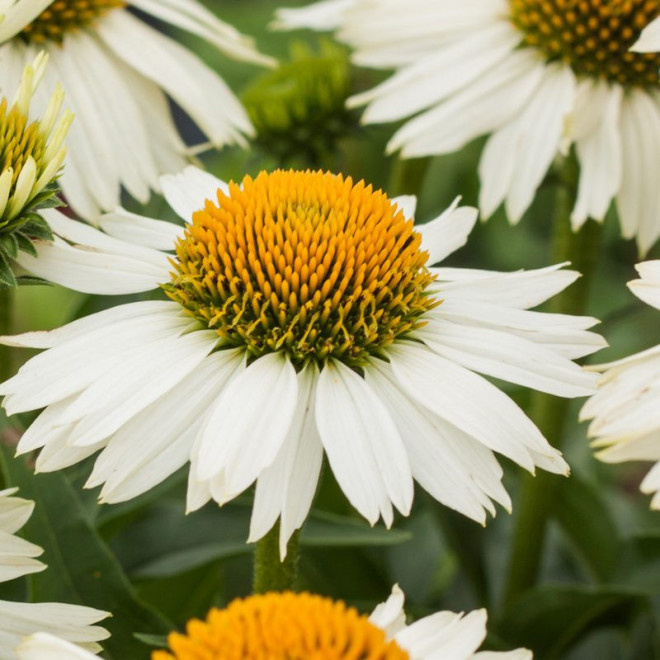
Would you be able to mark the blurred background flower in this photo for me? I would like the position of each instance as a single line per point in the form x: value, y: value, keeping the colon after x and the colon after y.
x: 118, y: 73
x: 17, y: 619
x: 536, y: 76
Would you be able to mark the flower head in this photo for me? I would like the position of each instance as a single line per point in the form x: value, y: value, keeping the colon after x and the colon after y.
x: 18, y: 558
x: 303, y: 625
x: 117, y: 72
x: 537, y: 76
x: 624, y: 411
x: 31, y: 156
x: 304, y: 317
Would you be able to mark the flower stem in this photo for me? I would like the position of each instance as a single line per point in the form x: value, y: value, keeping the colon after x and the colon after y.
x: 407, y: 176
x: 6, y: 322
x: 534, y: 505
x: 271, y: 574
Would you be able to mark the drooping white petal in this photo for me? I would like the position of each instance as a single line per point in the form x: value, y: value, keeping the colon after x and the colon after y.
x: 79, y: 327
x: 639, y: 197
x: 563, y: 334
x: 286, y: 488
x: 362, y: 443
x: 503, y: 355
x: 248, y: 424
x: 598, y: 150
x: 140, y: 230
x: 71, y: 622
x: 648, y: 287
x: 43, y: 646
x: 170, y: 424
x: 325, y: 15
x: 483, y: 106
x: 470, y: 403
x: 452, y: 466
x: 519, y: 289
x: 190, y: 82
x: 194, y: 17
x: 438, y: 75
x: 517, y: 156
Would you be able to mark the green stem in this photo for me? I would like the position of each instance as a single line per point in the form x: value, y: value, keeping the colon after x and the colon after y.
x: 6, y: 327
x: 271, y: 574
x: 536, y: 495
x: 407, y: 176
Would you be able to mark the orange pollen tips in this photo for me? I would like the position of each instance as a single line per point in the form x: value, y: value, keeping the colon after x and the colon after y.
x: 303, y: 262
x: 592, y: 36
x: 282, y: 626
x: 63, y: 16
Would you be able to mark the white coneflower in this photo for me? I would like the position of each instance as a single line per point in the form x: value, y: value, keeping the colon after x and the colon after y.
x: 17, y: 620
x: 31, y: 157
x: 303, y: 319
x: 535, y: 75
x: 288, y: 625
x: 117, y: 72
x: 625, y: 410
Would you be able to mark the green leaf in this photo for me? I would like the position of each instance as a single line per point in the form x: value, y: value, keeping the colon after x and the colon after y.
x: 177, y: 562
x: 25, y: 244
x: 81, y: 568
x: 31, y: 280
x: 154, y: 641
x: 37, y: 228
x: 7, y: 277
x: 550, y: 619
x: 585, y: 518
x: 9, y: 245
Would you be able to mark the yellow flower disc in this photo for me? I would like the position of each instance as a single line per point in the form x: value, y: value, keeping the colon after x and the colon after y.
x: 282, y: 626
x: 64, y: 16
x: 592, y: 36
x: 303, y: 262
x: 18, y: 140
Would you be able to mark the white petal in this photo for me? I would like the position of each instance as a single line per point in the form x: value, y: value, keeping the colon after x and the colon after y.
x: 521, y: 289
x: 364, y: 448
x: 508, y: 357
x: 188, y: 80
x: 599, y: 152
x: 168, y: 426
x: 470, y: 403
x: 140, y: 230
x: 42, y: 646
x: 389, y: 616
x: 286, y: 488
x: 517, y: 157
x: 448, y: 232
x: 247, y: 426
x: 188, y: 191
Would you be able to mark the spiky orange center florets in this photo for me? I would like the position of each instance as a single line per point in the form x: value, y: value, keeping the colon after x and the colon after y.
x: 592, y: 36
x: 64, y: 16
x: 303, y: 262
x: 282, y: 626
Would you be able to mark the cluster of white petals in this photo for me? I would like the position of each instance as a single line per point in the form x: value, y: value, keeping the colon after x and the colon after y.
x: 625, y: 413
x: 423, y: 415
x: 440, y: 636
x: 460, y: 73
x: 117, y: 74
x: 17, y: 620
